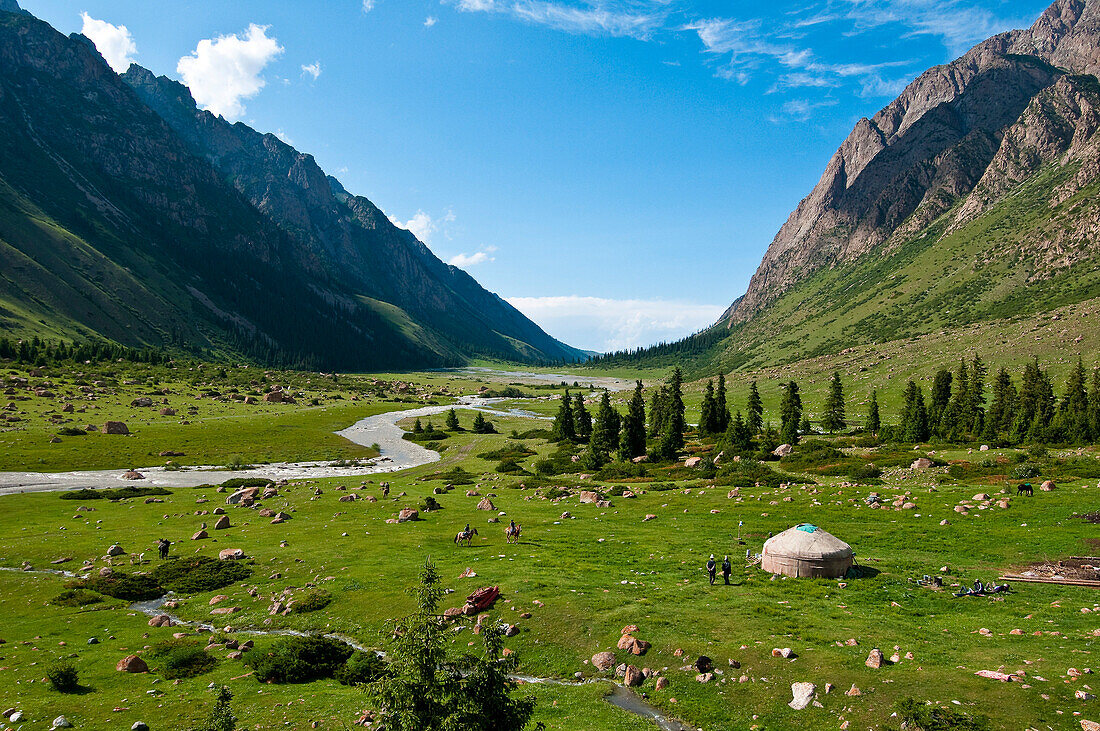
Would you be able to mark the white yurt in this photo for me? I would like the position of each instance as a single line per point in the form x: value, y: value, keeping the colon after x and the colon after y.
x: 806, y: 551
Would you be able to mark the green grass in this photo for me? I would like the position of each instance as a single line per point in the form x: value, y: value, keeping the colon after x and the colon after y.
x: 592, y: 575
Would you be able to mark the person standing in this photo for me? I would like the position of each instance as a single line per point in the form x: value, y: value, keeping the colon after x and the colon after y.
x: 712, y: 567
x: 726, y: 569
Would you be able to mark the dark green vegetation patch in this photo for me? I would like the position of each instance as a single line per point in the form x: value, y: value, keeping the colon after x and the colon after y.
x: 181, y: 657
x: 76, y: 598
x: 299, y: 660
x: 120, y: 585
x: 199, y: 574
x: 118, y: 493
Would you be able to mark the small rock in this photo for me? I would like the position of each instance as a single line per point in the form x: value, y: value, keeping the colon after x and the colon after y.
x: 803, y: 695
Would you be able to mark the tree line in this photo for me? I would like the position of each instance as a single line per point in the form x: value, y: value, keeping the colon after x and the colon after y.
x: 39, y: 352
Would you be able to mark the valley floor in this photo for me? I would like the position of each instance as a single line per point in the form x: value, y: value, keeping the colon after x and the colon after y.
x: 581, y: 571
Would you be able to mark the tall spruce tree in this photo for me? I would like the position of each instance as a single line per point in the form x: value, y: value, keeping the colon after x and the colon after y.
x: 605, y: 435
x: 564, y: 428
x: 874, y: 421
x: 452, y: 421
x: 658, y: 411
x: 708, y: 413
x: 721, y: 407
x: 832, y: 418
x: 755, y: 416
x: 975, y: 398
x: 632, y: 442
x: 941, y: 397
x: 1002, y: 407
x: 676, y: 423
x: 738, y: 435
x: 582, y: 420
x: 1073, y: 411
x: 914, y: 416
x: 790, y: 413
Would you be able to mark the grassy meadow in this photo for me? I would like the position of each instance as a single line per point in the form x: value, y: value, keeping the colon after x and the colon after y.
x: 581, y: 578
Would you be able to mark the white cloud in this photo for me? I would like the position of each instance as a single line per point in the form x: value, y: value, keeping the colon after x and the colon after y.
x: 602, y: 324
x: 463, y: 261
x: 313, y: 69
x: 423, y: 226
x: 623, y: 18
x: 800, y: 110
x: 430, y: 21
x: 368, y: 5
x: 284, y: 137
x: 224, y: 71
x: 113, y: 42
x: 958, y: 26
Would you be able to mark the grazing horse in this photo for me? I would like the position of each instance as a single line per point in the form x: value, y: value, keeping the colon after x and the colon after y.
x: 465, y: 535
x: 1025, y: 488
x: 162, y: 546
x: 511, y: 533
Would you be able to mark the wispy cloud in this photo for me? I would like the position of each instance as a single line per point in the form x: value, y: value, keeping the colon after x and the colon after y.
x: 312, y: 69
x: 423, y: 226
x: 599, y: 323
x: 464, y: 261
x: 368, y: 5
x: 956, y: 24
x: 430, y: 21
x: 624, y: 18
x: 222, y: 72
x: 113, y: 42
x: 800, y: 110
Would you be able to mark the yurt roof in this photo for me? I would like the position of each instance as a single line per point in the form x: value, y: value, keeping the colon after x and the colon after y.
x: 807, y: 541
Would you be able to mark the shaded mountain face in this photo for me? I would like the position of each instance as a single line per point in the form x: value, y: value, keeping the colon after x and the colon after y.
x: 128, y: 213
x: 958, y: 140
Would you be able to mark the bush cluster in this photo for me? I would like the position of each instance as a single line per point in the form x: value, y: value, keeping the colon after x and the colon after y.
x: 63, y: 677
x: 119, y: 493
x: 199, y: 574
x: 180, y: 658
x: 301, y: 660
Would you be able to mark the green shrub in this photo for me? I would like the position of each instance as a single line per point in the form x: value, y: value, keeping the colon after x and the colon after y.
x: 71, y: 431
x: 298, y: 660
x: 76, y: 598
x: 128, y: 587
x: 311, y: 600
x: 866, y: 471
x: 239, y: 483
x: 1025, y: 470
x: 917, y: 715
x: 199, y: 574
x: 510, y: 451
x: 509, y: 467
x: 361, y: 667
x: 62, y: 676
x: 120, y: 493
x: 430, y: 505
x: 180, y: 658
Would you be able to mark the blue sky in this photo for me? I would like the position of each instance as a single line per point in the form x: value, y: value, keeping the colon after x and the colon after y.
x: 615, y: 168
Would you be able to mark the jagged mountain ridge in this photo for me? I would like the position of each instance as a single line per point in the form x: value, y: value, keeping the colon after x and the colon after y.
x: 117, y: 218
x: 929, y: 149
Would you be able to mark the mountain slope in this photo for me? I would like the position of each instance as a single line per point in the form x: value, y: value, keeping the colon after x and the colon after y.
x: 927, y: 150
x: 970, y: 199
x: 117, y: 219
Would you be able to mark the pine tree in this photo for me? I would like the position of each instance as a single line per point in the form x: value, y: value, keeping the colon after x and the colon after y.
x: 721, y: 407
x: 418, y: 428
x: 1002, y: 409
x: 483, y: 425
x: 941, y: 397
x: 755, y: 416
x: 632, y: 443
x: 675, y: 427
x: 975, y: 398
x: 563, y: 423
x: 874, y: 423
x: 914, y: 416
x: 832, y: 418
x: 738, y: 434
x: 708, y: 416
x: 605, y: 435
x: 582, y: 420
x: 221, y: 716
x: 790, y: 414
x: 1073, y: 411
x: 658, y: 411
x: 452, y: 421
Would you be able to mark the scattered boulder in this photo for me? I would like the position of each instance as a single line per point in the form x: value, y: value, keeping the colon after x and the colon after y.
x: 241, y: 495
x: 200, y: 535
x: 407, y: 514
x: 634, y: 677
x: 115, y: 550
x: 132, y: 475
x: 115, y: 427
x: 875, y: 659
x: 132, y: 664
x: 662, y: 683
x: 803, y: 695
x: 230, y: 554
x: 167, y: 411
x: 61, y: 722
x: 142, y: 402
x: 588, y: 496
x: 782, y: 450
x: 693, y: 461
x: 223, y: 523
x: 1048, y: 486
x: 486, y: 504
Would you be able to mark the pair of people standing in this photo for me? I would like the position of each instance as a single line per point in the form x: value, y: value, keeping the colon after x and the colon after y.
x: 712, y: 569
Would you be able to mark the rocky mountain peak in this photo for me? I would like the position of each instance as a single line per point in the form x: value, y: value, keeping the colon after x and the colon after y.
x: 912, y: 161
x: 11, y: 6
